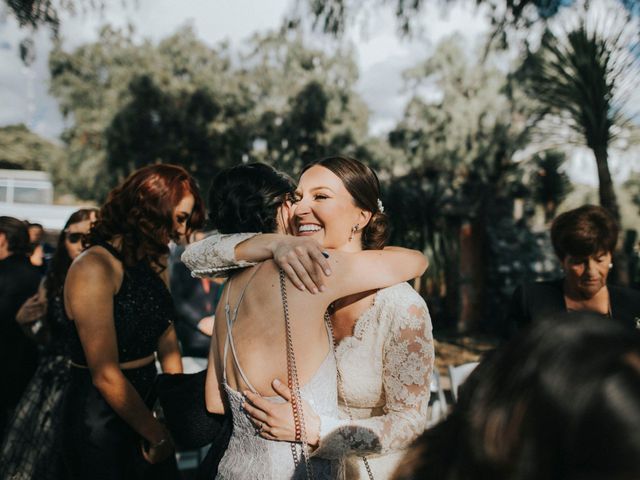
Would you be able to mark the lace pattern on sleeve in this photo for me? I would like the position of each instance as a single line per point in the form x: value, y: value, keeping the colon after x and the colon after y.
x: 215, y: 255
x: 408, y: 359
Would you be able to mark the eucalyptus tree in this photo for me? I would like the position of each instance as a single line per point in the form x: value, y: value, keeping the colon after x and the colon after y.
x: 305, y: 100
x: 459, y: 144
x: 130, y: 103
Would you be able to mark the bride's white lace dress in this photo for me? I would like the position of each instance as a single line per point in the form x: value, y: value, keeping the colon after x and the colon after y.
x: 251, y: 456
x: 385, y: 370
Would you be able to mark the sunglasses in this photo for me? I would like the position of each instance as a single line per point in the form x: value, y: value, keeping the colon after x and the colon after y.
x: 74, y: 237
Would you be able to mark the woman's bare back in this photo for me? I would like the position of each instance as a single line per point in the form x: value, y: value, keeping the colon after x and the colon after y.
x: 259, y: 329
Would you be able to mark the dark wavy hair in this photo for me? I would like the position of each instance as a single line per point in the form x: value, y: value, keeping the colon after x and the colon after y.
x: 245, y: 198
x: 17, y: 235
x: 140, y: 212
x: 559, y: 401
x: 584, y: 231
x: 363, y: 185
x: 61, y: 261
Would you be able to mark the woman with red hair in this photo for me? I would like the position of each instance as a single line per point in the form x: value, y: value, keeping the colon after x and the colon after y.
x: 121, y: 314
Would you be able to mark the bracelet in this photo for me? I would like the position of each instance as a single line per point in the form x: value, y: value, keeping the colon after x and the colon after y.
x: 159, y: 444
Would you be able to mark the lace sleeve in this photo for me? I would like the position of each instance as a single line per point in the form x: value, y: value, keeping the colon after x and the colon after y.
x: 215, y: 255
x: 407, y: 366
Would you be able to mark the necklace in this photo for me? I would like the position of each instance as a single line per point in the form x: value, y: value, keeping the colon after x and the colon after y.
x: 327, y: 320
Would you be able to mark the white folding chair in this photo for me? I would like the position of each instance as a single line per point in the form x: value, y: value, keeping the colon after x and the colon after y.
x: 457, y: 376
x: 438, y: 407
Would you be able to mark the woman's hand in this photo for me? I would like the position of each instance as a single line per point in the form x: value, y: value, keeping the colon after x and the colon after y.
x: 35, y: 308
x: 274, y: 421
x: 303, y: 261
x: 205, y: 325
x: 161, y: 450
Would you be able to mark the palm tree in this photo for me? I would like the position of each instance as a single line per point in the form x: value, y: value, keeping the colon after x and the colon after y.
x: 582, y: 81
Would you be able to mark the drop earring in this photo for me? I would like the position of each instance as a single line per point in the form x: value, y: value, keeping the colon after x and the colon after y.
x: 611, y: 265
x: 354, y: 229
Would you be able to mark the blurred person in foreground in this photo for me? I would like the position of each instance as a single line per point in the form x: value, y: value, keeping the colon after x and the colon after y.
x: 559, y: 401
x: 121, y: 314
x: 31, y: 448
x: 18, y: 281
x: 584, y: 240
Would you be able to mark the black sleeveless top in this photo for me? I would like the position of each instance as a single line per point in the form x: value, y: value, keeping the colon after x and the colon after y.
x: 142, y: 311
x: 58, y: 344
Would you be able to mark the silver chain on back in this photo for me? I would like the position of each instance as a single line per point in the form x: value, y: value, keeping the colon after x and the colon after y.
x: 294, y: 387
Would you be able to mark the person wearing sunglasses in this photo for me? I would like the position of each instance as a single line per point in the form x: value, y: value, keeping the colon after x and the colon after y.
x: 31, y: 446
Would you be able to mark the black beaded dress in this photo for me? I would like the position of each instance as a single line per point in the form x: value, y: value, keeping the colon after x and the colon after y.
x: 97, y: 442
x: 31, y: 448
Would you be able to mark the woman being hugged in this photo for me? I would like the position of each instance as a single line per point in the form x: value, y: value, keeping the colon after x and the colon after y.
x: 384, y: 346
x: 267, y: 319
x: 122, y: 314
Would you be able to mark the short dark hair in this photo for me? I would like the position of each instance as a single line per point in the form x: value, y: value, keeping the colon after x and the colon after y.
x: 246, y: 198
x: 560, y: 400
x: 17, y: 235
x: 584, y: 231
x: 363, y: 185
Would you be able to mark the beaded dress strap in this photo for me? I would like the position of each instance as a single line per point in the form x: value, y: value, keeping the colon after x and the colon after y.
x: 111, y: 249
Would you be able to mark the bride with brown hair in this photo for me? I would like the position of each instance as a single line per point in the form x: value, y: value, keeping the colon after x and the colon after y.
x: 384, y: 346
x: 254, y: 345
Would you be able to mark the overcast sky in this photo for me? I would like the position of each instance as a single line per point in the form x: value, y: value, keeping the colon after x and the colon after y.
x: 381, y: 55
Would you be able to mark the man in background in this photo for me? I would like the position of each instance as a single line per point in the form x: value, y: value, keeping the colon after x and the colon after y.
x: 19, y: 280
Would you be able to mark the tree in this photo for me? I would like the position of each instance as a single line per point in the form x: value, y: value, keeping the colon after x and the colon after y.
x: 583, y: 80
x: 632, y: 185
x: 181, y: 101
x: 24, y: 150
x: 459, y: 147
x: 551, y: 185
x: 333, y: 16
x: 33, y: 14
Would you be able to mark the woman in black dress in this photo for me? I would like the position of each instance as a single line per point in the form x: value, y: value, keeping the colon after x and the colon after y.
x: 31, y: 447
x: 122, y: 314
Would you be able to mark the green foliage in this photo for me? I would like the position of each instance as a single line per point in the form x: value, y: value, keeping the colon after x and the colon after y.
x: 574, y: 77
x: 551, y: 184
x: 183, y: 102
x: 22, y: 149
x: 581, y: 81
x: 632, y: 185
x: 470, y: 132
x: 461, y: 195
x: 334, y: 16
